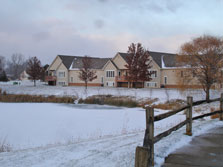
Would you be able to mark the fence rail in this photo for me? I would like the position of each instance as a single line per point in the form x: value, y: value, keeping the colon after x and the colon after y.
x: 168, y: 114
x: 144, y: 156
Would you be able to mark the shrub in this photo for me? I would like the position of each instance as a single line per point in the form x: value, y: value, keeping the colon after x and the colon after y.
x: 4, y: 147
x: 35, y: 98
x: 110, y: 100
x: 170, y: 105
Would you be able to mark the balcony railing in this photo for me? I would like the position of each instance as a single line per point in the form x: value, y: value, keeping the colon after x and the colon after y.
x: 50, y: 78
x: 121, y: 79
x: 124, y: 79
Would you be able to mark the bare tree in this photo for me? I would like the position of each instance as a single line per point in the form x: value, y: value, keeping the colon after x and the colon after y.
x: 34, y: 69
x: 86, y: 73
x: 138, y: 64
x: 16, y: 65
x: 202, y: 62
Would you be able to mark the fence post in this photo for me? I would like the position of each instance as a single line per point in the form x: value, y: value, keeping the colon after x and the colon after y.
x: 221, y: 108
x: 189, y: 116
x: 144, y: 156
x: 149, y: 135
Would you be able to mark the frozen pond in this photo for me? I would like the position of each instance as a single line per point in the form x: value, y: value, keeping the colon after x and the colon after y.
x: 25, y: 125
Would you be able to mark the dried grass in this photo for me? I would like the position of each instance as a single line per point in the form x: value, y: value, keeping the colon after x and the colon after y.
x: 214, y: 116
x: 170, y: 105
x: 4, y: 147
x: 34, y: 98
x: 110, y: 100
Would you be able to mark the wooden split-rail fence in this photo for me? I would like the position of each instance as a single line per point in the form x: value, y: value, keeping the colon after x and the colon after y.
x: 144, y: 156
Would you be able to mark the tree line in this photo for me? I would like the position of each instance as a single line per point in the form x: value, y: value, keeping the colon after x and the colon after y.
x: 12, y: 68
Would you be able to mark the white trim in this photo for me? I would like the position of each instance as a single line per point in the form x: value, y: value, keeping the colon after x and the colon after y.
x: 151, y: 84
x: 61, y: 71
x: 154, y: 74
x: 110, y: 84
x: 109, y: 75
x: 61, y: 83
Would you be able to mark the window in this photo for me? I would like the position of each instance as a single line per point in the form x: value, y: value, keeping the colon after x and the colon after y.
x: 102, y: 80
x: 165, y: 80
x: 110, y: 84
x: 61, y: 83
x: 151, y: 84
x: 61, y: 74
x: 182, y: 74
x: 119, y: 73
x: 71, y: 79
x: 110, y: 74
x: 154, y: 73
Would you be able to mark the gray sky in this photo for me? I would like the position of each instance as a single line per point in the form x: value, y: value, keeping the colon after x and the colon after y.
x: 101, y: 28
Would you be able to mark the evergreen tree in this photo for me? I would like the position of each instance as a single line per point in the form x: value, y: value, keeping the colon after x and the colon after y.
x: 3, y: 76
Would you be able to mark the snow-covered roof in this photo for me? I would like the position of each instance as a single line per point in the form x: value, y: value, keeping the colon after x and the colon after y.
x: 163, y: 60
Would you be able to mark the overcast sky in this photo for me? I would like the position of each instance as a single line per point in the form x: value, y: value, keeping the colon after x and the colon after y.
x: 101, y: 28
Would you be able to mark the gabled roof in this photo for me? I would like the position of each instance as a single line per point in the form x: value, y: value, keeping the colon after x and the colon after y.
x: 97, y: 63
x: 114, y: 64
x: 74, y: 62
x: 124, y: 55
x: 67, y: 60
x: 163, y: 60
x: 110, y: 60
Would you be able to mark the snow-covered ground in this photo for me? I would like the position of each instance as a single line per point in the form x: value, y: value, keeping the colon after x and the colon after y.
x: 26, y: 125
x: 48, y: 134
x: 84, y: 135
x: 26, y: 87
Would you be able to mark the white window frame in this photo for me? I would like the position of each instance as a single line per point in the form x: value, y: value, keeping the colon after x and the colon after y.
x: 61, y: 83
x: 110, y: 74
x: 155, y: 74
x: 151, y: 84
x: 61, y: 74
x: 110, y: 83
x: 71, y: 79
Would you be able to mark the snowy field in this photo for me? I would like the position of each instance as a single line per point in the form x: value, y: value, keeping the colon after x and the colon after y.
x: 26, y: 87
x: 56, y: 135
